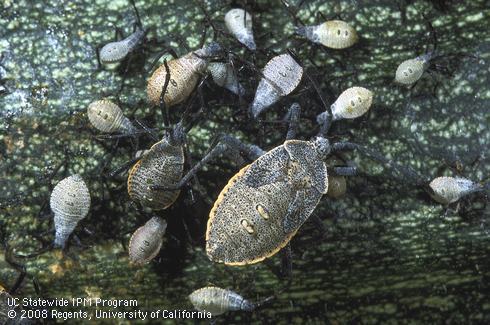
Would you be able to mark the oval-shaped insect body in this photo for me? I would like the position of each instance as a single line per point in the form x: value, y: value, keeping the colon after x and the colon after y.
x: 282, y: 74
x: 70, y: 203
x: 265, y: 203
x: 107, y: 117
x: 218, y: 301
x: 116, y: 51
x: 352, y: 103
x: 184, y: 75
x: 239, y: 24
x: 448, y: 190
x: 147, y: 241
x: 224, y: 76
x: 336, y: 186
x: 336, y: 34
x: 410, y: 71
x: 163, y: 164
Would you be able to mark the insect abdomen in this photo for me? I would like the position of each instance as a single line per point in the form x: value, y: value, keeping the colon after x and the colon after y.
x: 410, y: 71
x: 239, y: 23
x: 107, y: 117
x: 184, y: 75
x: 282, y: 74
x: 218, y: 301
x: 450, y: 189
x: 352, y: 103
x: 147, y: 241
x: 70, y: 203
x: 134, y: 39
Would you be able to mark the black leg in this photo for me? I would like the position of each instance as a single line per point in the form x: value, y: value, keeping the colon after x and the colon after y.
x: 287, y: 261
x: 344, y: 146
x: 118, y: 34
x: 163, y: 106
x: 147, y: 130
x: 293, y: 116
x: 225, y: 142
x: 138, y: 19
x: 19, y: 267
x: 318, y: 224
x: 124, y: 167
x: 408, y: 174
x: 317, y: 89
x: 345, y: 171
x: 97, y: 52
x: 325, y: 121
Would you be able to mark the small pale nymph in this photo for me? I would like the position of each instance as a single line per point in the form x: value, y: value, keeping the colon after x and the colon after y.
x: 70, y: 203
x: 448, y: 190
x: 335, y: 34
x: 239, y: 24
x: 146, y: 241
x: 352, y: 103
x: 218, y: 301
x: 117, y: 51
x: 224, y: 76
x: 107, y: 117
x: 184, y: 75
x: 281, y: 75
x: 410, y: 71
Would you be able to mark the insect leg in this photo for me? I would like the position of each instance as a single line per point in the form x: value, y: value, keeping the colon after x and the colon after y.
x: 407, y: 173
x: 225, y: 143
x: 345, y: 171
x: 19, y: 267
x: 325, y: 121
x: 97, y: 52
x: 287, y: 261
x: 318, y: 224
x: 293, y: 116
x: 215, y: 151
x: 317, y: 89
x: 147, y: 130
x: 138, y: 19
x: 124, y: 167
x: 163, y: 106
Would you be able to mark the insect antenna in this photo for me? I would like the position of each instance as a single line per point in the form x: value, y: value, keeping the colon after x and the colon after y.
x: 147, y: 130
x: 293, y: 13
x: 124, y: 167
x: 136, y: 12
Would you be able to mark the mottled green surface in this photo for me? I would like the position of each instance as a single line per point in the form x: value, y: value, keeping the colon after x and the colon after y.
x: 390, y: 254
